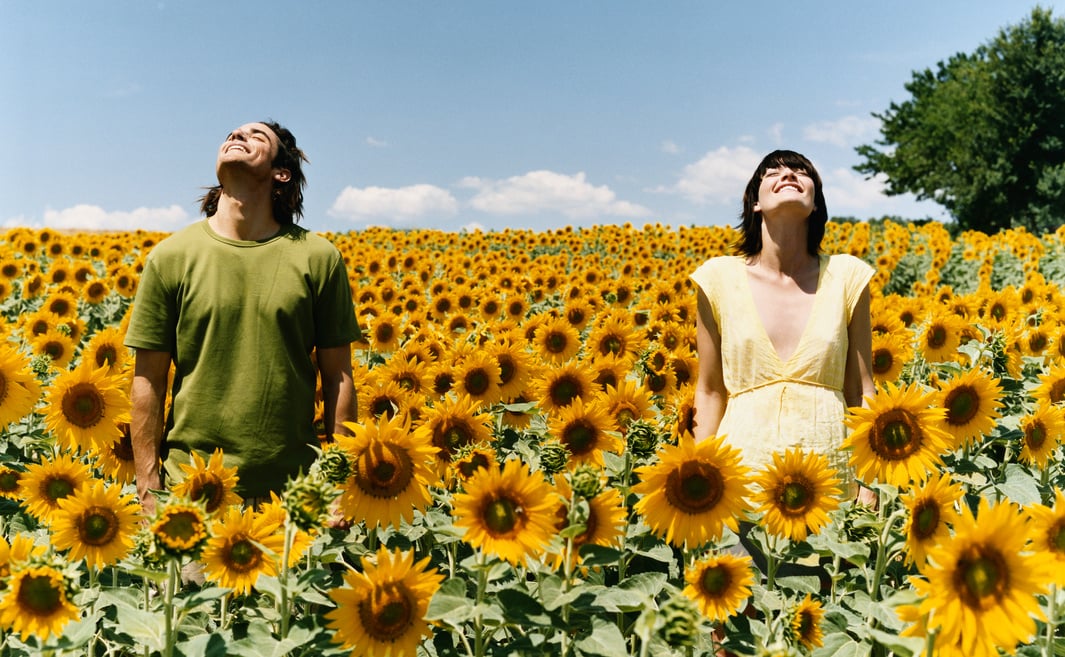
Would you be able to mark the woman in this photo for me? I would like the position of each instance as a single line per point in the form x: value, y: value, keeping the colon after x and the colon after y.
x: 783, y: 332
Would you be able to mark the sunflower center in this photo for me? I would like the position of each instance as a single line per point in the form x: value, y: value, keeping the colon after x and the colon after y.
x: 925, y: 519
x: 882, y: 361
x: 556, y: 342
x: 208, y: 489
x: 383, y: 405
x: 106, y: 355
x: 83, y: 405
x: 383, y: 470
x: 715, y: 580
x: 471, y: 464
x: 384, y: 333
x: 1037, y: 343
x: 794, y: 497
x: 3, y: 387
x: 39, y: 595
x: 1035, y: 435
x: 507, y: 369
x: 243, y: 556
x: 123, y: 447
x: 9, y: 480
x: 896, y: 436
x: 656, y: 381
x: 98, y: 526
x: 387, y: 612
x: 610, y: 345
x: 477, y: 382
x: 565, y: 390
x: 502, y: 515
x: 180, y: 529
x: 694, y: 487
x: 56, y: 488
x: 580, y: 437
x: 442, y: 383
x: 1057, y: 391
x: 962, y: 403
x: 937, y: 337
x: 1056, y: 537
x: 452, y: 436
x: 981, y: 573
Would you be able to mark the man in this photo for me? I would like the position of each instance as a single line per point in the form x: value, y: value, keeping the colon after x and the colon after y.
x: 238, y: 301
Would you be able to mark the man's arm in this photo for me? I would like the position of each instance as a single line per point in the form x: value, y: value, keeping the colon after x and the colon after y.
x: 338, y: 389
x: 148, y: 397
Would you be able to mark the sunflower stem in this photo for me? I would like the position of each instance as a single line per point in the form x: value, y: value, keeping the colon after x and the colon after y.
x: 1052, y: 620
x: 283, y: 602
x: 887, y: 523
x: 168, y: 606
x: 478, y: 622
x: 771, y: 563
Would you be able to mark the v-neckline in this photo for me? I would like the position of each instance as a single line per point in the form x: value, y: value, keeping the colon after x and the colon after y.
x: 822, y: 266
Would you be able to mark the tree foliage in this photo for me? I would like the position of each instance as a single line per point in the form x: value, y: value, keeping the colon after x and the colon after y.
x: 984, y: 134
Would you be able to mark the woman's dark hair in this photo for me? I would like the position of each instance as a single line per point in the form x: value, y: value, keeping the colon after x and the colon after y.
x: 287, y: 196
x: 750, y: 241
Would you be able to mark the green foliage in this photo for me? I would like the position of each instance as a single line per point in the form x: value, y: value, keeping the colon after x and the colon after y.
x: 983, y: 134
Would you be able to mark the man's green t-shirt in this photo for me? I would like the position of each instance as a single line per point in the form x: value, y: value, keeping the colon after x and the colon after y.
x: 240, y: 320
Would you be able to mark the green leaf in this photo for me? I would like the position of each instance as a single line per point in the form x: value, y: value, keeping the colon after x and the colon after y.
x: 207, y: 645
x: 605, y: 639
x: 450, y: 604
x: 523, y: 609
x: 201, y: 597
x: 144, y: 627
x: 650, y: 584
x: 599, y: 555
x: 900, y: 645
x: 1020, y: 486
x: 841, y: 645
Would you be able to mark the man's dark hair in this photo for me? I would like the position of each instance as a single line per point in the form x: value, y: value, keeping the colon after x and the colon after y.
x: 287, y: 196
x: 750, y: 241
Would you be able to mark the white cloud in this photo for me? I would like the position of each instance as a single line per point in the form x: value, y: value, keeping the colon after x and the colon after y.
x: 473, y: 227
x: 547, y: 191
x: 376, y: 143
x: 719, y: 177
x: 394, y: 205
x: 849, y: 193
x: 93, y: 217
x: 669, y: 146
x: 844, y: 132
x: 776, y: 133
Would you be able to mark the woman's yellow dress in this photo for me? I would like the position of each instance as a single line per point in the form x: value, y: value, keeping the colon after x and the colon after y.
x: 774, y: 404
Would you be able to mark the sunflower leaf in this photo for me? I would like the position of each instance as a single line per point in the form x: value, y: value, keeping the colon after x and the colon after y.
x: 842, y: 645
x: 450, y: 604
x: 523, y: 609
x: 605, y: 639
x: 1020, y: 486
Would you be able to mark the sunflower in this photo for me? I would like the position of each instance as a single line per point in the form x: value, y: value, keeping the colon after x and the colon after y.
x: 516, y: 369
x: 19, y: 389
x: 472, y: 458
x: 382, y: 398
x: 558, y: 387
x: 627, y: 402
x: 38, y: 602
x: 1047, y: 527
x: 408, y: 372
x: 244, y: 545
x: 604, y: 524
x: 272, y: 515
x: 116, y: 461
x: 96, y: 523
x: 478, y: 376
x: 56, y: 345
x: 391, y: 472
x: 693, y: 491
x: 13, y: 555
x: 797, y: 492
x: 971, y: 404
x: 940, y: 338
x: 10, y: 483
x: 890, y: 353
x: 85, y: 407
x: 1041, y: 431
x: 1051, y: 388
x: 557, y: 341
x: 720, y: 584
x: 508, y: 513
x: 209, y: 483
x: 63, y: 304
x: 105, y: 348
x: 613, y: 336
x: 930, y: 510
x: 95, y: 291
x: 806, y: 623
x: 586, y: 432
x: 45, y: 483
x: 385, y: 333
x: 896, y: 440
x: 180, y: 528
x: 980, y: 585
x: 454, y: 425
x: 381, y: 611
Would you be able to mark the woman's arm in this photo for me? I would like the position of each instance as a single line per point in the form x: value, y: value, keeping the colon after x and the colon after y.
x: 858, y: 378
x: 710, y: 394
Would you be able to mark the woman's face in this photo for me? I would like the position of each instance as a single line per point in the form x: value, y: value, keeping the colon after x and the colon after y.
x: 784, y: 187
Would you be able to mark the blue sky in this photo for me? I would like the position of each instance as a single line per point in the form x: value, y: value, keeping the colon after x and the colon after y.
x: 448, y: 114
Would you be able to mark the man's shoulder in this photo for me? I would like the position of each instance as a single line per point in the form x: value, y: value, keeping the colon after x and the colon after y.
x: 313, y: 243
x: 178, y: 242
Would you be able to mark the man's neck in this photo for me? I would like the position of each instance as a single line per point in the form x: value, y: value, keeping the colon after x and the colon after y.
x: 246, y: 217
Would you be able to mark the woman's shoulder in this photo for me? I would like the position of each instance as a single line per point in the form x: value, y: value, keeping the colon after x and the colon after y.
x: 845, y: 262
x: 716, y: 265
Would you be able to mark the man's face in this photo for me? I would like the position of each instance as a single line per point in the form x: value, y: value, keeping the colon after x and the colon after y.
x: 253, y: 145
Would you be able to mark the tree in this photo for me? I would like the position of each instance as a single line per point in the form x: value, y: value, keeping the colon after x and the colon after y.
x: 984, y: 135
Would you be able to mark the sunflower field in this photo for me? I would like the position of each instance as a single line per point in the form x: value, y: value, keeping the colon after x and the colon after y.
x: 522, y: 479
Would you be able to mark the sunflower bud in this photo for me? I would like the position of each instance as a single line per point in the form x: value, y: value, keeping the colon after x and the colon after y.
x: 778, y: 649
x: 306, y: 500
x: 333, y: 465
x: 680, y: 621
x: 586, y: 481
x: 41, y: 364
x: 642, y: 438
x: 553, y: 457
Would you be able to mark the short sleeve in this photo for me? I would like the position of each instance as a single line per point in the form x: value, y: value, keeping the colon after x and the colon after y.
x: 335, y: 323
x: 153, y: 320
x: 857, y: 276
x: 707, y: 279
